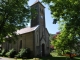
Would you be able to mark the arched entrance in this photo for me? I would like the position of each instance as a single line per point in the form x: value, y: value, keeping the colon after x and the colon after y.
x: 43, y: 49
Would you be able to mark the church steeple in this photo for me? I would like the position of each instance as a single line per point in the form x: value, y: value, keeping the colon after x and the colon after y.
x: 38, y: 16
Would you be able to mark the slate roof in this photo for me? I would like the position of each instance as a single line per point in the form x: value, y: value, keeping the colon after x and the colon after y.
x: 26, y: 30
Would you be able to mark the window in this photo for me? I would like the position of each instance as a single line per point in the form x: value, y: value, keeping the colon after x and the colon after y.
x: 37, y: 38
x: 20, y: 44
x: 42, y: 10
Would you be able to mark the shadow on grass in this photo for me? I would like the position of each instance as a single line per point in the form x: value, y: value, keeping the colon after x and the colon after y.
x: 58, y: 58
x: 52, y: 58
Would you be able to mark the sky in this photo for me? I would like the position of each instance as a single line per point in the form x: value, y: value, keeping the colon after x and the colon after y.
x: 52, y: 28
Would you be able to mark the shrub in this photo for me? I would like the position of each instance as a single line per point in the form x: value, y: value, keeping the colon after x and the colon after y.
x: 24, y: 53
x: 11, y: 53
x: 3, y: 52
x: 66, y: 51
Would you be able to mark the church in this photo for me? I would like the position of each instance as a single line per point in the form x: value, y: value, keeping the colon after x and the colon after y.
x: 35, y: 37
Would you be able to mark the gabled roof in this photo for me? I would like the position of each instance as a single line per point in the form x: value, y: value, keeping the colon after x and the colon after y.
x: 26, y: 30
x: 37, y: 1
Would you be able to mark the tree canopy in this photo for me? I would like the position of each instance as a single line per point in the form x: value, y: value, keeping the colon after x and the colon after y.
x: 14, y: 15
x: 67, y: 12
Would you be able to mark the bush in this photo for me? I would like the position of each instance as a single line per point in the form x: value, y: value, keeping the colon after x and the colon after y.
x: 66, y: 51
x: 3, y: 52
x: 11, y: 53
x: 59, y: 52
x: 24, y: 53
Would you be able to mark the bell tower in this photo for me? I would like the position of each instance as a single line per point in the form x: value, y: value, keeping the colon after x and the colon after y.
x: 37, y: 14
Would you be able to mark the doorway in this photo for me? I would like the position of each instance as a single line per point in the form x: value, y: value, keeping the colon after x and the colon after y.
x: 43, y: 50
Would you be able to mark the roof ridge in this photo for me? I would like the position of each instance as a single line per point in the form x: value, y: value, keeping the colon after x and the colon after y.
x: 35, y: 2
x: 26, y: 30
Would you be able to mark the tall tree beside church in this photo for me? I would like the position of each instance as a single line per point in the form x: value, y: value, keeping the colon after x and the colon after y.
x: 14, y: 15
x: 67, y: 12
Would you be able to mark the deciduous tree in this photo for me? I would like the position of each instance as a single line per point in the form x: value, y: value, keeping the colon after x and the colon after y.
x: 14, y: 15
x: 67, y: 12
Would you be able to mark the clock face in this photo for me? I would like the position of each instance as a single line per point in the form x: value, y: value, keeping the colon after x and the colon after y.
x: 41, y: 16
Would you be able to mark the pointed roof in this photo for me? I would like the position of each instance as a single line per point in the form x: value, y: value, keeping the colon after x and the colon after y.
x: 37, y: 1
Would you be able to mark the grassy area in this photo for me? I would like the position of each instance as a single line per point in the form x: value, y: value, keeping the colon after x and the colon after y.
x: 60, y: 58
x: 54, y: 56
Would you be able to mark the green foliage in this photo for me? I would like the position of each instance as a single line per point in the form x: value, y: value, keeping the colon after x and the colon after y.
x: 66, y: 51
x: 24, y: 53
x: 11, y: 53
x: 3, y: 52
x: 14, y: 15
x: 67, y: 12
x: 63, y: 42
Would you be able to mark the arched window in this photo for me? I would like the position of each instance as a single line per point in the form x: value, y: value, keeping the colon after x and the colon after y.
x: 20, y: 44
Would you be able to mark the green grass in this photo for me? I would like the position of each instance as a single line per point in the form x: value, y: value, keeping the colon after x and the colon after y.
x: 59, y: 58
x: 54, y: 56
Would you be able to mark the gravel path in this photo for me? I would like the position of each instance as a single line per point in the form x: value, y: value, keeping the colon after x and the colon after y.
x: 4, y: 58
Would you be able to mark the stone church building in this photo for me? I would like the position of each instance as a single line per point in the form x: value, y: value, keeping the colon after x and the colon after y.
x: 35, y: 37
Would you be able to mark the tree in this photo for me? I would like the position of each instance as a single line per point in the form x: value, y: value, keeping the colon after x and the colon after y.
x: 14, y: 15
x: 67, y: 12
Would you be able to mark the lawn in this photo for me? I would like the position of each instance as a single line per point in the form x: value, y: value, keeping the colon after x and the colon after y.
x: 52, y: 57
x: 60, y: 58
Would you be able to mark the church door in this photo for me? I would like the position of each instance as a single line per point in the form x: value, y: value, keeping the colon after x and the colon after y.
x: 43, y: 49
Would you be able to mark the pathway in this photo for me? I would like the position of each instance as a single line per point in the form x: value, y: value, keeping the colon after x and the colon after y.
x: 4, y: 58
